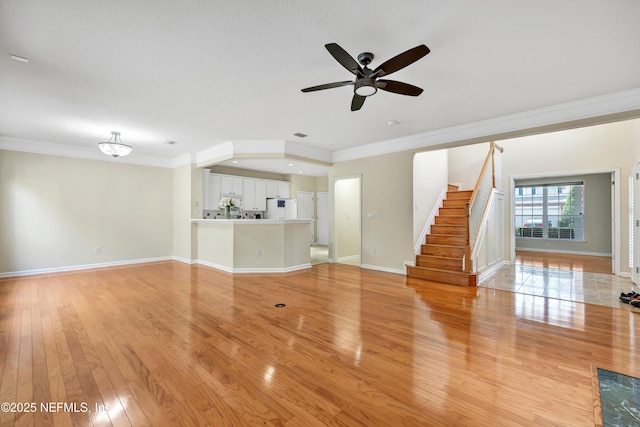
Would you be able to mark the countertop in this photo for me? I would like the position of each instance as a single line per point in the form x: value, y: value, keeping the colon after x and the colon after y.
x: 251, y: 221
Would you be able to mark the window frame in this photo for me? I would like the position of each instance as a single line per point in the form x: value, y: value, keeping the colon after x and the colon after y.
x: 548, y: 227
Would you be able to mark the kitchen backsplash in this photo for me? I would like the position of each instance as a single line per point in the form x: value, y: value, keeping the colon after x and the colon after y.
x: 235, y: 214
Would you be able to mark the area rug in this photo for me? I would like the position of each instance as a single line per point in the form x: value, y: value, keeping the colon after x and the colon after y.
x: 617, y: 399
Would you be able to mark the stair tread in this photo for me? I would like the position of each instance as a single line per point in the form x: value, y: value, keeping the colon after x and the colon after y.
x: 443, y: 271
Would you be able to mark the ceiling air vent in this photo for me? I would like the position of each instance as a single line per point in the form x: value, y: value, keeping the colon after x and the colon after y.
x: 300, y: 135
x: 170, y: 142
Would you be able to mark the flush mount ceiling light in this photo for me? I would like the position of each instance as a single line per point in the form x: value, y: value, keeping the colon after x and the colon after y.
x: 114, y: 146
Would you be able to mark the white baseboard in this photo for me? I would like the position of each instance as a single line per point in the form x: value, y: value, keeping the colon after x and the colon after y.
x: 253, y: 270
x: 484, y: 275
x: 384, y: 269
x: 349, y: 258
x: 430, y: 220
x: 185, y: 260
x: 83, y: 267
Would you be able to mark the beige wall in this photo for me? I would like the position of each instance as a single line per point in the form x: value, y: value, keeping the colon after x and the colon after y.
x: 584, y: 150
x: 387, y: 194
x: 322, y: 184
x: 184, y: 208
x: 301, y: 183
x: 465, y: 164
x: 430, y: 178
x: 55, y: 211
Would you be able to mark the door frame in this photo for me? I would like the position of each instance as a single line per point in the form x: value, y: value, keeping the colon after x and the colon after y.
x: 334, y: 244
x: 615, y: 210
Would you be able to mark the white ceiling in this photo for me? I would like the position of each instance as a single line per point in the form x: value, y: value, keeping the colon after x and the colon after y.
x: 203, y: 72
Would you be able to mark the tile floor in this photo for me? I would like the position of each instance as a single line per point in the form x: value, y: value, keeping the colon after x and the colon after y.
x: 567, y: 285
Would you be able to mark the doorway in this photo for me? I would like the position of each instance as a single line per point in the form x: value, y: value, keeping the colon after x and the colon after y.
x: 347, y: 217
x: 305, y: 211
x: 322, y: 215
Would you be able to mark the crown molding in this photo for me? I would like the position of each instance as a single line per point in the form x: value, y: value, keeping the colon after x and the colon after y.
x: 261, y: 149
x: 53, y: 149
x: 590, y: 111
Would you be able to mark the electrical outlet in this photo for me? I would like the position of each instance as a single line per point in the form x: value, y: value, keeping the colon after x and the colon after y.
x: 98, y: 250
x: 375, y: 251
x: 258, y: 252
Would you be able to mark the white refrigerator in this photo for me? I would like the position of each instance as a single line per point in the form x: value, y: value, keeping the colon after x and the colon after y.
x: 282, y: 209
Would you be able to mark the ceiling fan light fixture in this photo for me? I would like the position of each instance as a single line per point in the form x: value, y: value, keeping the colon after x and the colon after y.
x: 114, y: 146
x: 365, y: 86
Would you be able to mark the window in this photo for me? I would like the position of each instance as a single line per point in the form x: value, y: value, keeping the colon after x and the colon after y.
x: 550, y: 211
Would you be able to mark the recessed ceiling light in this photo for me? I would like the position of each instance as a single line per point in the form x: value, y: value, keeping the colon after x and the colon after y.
x: 392, y: 122
x: 234, y: 161
x: 290, y: 164
x: 299, y: 171
x: 300, y: 135
x: 19, y: 58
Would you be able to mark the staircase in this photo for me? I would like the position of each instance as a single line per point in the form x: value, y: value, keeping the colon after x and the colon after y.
x: 440, y: 259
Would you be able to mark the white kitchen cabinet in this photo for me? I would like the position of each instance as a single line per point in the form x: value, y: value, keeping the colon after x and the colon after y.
x: 283, y: 190
x: 231, y: 185
x: 254, y: 195
x: 261, y: 195
x: 278, y: 189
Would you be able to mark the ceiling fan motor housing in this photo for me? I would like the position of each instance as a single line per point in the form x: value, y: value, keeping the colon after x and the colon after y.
x: 365, y: 86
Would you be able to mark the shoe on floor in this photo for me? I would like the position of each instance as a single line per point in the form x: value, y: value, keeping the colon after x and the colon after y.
x: 635, y: 303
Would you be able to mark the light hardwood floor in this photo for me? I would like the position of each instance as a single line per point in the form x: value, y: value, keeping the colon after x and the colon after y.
x: 169, y: 344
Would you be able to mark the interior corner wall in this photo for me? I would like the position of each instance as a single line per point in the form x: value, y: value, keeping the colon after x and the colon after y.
x: 465, y: 164
x: 387, y: 194
x: 56, y: 211
x: 636, y: 141
x: 430, y: 178
x: 576, y: 151
x: 187, y: 183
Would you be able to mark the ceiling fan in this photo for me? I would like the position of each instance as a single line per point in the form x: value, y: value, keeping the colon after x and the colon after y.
x: 368, y: 81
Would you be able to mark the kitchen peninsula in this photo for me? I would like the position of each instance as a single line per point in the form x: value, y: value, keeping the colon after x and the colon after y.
x: 253, y: 245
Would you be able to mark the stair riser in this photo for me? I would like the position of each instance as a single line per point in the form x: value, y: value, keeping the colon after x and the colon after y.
x: 444, y: 251
x: 451, y: 211
x: 455, y: 203
x: 459, y: 194
x: 453, y: 220
x: 446, y: 240
x: 460, y: 279
x: 456, y: 230
x: 451, y: 264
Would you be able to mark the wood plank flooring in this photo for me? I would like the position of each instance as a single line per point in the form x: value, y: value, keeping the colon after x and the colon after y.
x: 169, y: 344
x: 586, y: 263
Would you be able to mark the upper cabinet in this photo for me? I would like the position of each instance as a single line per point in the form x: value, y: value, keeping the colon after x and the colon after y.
x: 255, y: 194
x: 278, y: 189
x: 231, y: 185
x: 252, y: 192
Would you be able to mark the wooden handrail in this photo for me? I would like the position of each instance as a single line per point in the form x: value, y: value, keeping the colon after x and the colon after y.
x: 467, y: 211
x: 484, y: 168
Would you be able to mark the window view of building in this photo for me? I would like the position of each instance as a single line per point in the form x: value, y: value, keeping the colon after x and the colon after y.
x: 550, y: 211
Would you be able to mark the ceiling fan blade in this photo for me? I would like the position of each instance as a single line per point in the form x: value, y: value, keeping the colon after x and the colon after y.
x: 357, y: 101
x: 328, y: 86
x: 398, y: 87
x: 398, y: 62
x: 344, y: 58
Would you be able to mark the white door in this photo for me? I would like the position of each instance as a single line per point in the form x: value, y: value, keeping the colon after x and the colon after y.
x: 306, y: 209
x: 322, y: 232
x: 634, y: 204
